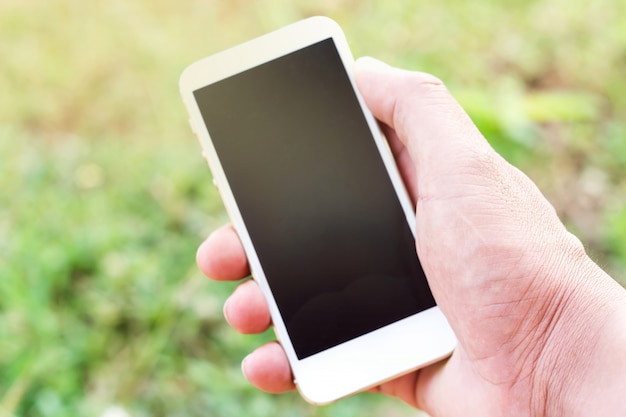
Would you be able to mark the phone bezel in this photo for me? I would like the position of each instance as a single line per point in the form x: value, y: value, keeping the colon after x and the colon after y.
x: 373, y: 358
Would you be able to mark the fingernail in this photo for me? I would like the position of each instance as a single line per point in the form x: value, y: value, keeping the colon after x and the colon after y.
x: 243, y: 365
x: 224, y: 311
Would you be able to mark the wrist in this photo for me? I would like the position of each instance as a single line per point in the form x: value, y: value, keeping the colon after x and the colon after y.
x: 582, y: 368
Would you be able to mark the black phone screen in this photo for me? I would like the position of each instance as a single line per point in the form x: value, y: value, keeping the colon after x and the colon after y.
x: 315, y: 197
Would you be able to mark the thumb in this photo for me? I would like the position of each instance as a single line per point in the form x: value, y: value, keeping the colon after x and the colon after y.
x: 439, y: 135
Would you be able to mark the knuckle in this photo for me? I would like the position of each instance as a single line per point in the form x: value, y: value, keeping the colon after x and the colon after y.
x: 428, y: 85
x: 422, y: 90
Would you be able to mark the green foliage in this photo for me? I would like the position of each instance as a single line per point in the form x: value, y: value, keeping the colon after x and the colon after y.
x: 104, y: 196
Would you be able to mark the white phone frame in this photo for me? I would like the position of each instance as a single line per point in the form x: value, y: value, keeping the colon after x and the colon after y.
x: 373, y: 358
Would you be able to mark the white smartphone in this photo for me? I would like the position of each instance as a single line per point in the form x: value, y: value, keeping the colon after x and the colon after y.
x: 313, y: 191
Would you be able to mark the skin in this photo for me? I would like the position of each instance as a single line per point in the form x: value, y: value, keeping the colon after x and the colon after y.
x: 541, y: 328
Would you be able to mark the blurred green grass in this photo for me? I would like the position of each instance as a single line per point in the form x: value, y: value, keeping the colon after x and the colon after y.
x: 104, y: 196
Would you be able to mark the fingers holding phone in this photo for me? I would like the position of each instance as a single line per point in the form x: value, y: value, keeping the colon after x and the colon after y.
x: 221, y: 256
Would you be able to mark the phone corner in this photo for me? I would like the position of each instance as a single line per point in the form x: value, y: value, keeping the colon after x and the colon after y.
x: 315, y: 396
x: 183, y: 80
x: 321, y: 21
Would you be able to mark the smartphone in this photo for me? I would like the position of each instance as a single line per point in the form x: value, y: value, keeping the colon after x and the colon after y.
x: 313, y: 191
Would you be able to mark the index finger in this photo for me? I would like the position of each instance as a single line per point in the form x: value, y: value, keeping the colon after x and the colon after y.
x: 221, y: 256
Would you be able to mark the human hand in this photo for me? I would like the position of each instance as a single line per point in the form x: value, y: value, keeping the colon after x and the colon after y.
x: 537, y: 320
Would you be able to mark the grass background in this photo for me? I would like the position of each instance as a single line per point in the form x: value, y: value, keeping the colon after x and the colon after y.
x: 104, y: 196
